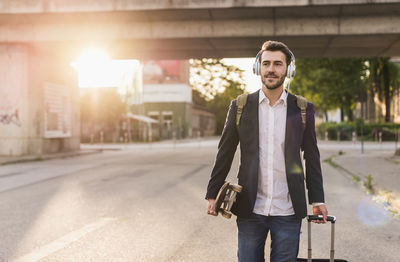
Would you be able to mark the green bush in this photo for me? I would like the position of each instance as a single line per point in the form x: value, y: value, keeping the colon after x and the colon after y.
x: 346, y: 129
x: 387, y: 134
x: 329, y: 127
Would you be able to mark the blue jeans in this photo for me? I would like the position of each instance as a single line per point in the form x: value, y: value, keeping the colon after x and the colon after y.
x: 285, y: 236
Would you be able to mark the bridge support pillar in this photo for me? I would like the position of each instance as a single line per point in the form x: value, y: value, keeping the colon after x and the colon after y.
x: 39, y: 102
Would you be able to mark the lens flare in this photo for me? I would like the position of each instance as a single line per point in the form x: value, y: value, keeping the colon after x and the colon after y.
x: 371, y: 213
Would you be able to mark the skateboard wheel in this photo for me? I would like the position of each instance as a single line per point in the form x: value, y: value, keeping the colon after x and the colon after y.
x: 236, y: 188
x: 225, y: 214
x: 221, y: 197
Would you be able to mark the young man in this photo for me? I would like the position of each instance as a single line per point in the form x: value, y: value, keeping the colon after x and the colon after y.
x: 271, y: 137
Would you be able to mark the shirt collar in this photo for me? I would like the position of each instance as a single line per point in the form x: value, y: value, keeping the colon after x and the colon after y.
x: 283, y: 97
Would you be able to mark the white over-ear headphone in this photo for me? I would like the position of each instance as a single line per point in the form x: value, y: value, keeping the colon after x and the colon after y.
x: 291, y: 69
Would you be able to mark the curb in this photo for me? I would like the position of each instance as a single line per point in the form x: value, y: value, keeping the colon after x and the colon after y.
x: 25, y: 159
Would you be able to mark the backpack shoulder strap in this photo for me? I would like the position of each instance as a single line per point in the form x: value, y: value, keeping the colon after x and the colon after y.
x: 302, y: 104
x: 241, y: 102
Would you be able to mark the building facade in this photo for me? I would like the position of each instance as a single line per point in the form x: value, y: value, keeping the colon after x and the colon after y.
x: 167, y: 97
x: 373, y: 110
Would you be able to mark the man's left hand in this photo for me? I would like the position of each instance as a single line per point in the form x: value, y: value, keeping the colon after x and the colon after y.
x: 320, y: 210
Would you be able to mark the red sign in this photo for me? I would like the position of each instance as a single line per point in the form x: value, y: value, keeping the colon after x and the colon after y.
x: 163, y: 71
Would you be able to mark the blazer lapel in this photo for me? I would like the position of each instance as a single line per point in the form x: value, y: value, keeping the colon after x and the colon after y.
x: 253, y: 115
x: 289, y: 134
x: 292, y: 136
x: 254, y: 111
x: 290, y: 114
x: 252, y: 152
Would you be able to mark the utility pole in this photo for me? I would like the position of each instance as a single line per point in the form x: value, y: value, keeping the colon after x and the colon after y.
x: 128, y: 121
x: 362, y: 99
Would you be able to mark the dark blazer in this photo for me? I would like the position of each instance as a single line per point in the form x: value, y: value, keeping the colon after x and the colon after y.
x: 295, y: 140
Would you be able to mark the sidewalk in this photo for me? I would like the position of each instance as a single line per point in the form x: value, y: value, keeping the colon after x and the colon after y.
x: 164, y: 144
x: 378, y: 161
x: 383, y: 166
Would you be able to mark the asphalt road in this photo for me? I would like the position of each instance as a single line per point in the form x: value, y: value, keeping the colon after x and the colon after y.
x: 147, y: 204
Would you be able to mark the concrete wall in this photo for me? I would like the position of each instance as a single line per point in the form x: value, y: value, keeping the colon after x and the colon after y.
x: 40, y: 6
x: 23, y: 73
x: 14, y: 109
x: 45, y: 68
x: 181, y: 29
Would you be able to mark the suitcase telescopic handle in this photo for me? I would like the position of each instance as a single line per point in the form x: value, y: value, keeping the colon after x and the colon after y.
x: 331, y: 219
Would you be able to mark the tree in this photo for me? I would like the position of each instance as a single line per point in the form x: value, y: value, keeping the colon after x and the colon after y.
x: 219, y: 105
x: 383, y: 80
x: 211, y: 76
x: 198, y: 98
x: 214, y: 85
x: 331, y: 83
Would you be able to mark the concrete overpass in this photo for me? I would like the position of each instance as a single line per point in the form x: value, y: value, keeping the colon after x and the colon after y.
x: 39, y: 108
x: 194, y: 28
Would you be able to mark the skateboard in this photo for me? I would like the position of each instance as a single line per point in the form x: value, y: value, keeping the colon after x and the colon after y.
x: 225, y: 199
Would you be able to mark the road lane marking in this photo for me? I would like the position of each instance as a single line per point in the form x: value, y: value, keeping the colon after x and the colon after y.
x: 62, y: 242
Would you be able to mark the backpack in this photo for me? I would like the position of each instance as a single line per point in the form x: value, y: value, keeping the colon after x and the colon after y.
x: 242, y: 100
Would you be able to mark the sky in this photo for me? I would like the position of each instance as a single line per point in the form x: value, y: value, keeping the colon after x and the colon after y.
x: 252, y: 81
x: 96, y: 69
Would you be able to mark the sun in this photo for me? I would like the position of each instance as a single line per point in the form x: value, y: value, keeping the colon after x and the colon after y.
x: 92, y: 67
x: 91, y: 57
x: 96, y: 69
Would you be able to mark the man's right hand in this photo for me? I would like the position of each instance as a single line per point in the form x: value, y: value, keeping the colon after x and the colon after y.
x: 211, y: 207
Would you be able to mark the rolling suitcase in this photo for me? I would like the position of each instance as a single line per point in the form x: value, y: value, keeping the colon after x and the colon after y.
x: 331, y: 219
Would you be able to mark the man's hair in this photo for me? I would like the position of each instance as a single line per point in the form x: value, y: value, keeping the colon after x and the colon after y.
x: 277, y: 46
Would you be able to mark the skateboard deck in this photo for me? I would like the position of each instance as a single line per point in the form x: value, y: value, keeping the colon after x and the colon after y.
x: 225, y: 199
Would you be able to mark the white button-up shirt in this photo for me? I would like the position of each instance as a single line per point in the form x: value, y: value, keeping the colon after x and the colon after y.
x: 273, y: 197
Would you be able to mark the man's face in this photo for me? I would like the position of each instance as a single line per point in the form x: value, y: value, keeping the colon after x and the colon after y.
x: 273, y: 69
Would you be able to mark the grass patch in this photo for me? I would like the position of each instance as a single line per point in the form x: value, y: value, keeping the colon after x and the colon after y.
x: 38, y: 158
x: 368, y: 184
x: 331, y: 162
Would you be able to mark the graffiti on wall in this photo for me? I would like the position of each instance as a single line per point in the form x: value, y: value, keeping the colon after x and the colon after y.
x: 10, y: 104
x: 10, y: 118
x: 10, y: 113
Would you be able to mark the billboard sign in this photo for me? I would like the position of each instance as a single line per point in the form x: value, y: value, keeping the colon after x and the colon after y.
x: 57, y: 111
x: 165, y: 71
